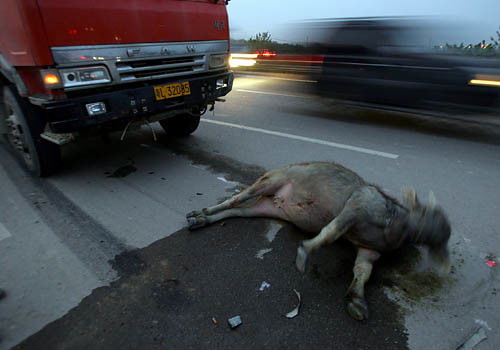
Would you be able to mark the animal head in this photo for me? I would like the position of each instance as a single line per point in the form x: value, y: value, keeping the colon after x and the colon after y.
x: 429, y: 226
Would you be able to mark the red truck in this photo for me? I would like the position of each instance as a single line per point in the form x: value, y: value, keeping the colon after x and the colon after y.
x: 72, y: 67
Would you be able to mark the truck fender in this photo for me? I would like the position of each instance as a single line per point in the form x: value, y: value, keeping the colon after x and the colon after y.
x: 9, y: 73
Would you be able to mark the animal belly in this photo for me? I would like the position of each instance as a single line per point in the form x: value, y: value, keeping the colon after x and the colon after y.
x: 301, y: 210
x: 305, y: 220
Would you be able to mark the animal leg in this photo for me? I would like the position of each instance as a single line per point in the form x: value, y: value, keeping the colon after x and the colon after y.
x: 264, y: 207
x: 329, y: 234
x: 266, y: 185
x: 356, y: 304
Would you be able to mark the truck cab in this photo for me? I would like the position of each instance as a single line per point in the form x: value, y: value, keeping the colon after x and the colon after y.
x: 70, y: 68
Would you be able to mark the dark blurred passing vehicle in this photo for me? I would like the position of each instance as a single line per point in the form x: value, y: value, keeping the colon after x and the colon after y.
x: 387, y: 63
x: 72, y: 67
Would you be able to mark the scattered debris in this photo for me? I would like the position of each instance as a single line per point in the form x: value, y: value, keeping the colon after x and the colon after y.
x: 155, y: 321
x: 274, y: 227
x: 162, y: 178
x: 234, y: 322
x: 491, y: 263
x: 199, y: 194
x: 123, y: 171
x: 478, y: 336
x: 226, y: 181
x: 483, y: 323
x: 151, y: 172
x: 223, y: 223
x: 260, y: 254
x: 491, y: 259
x: 264, y: 285
x: 214, y: 320
x: 295, y: 311
x: 487, y: 256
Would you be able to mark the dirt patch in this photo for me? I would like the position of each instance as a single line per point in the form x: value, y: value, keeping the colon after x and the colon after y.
x: 400, y: 272
x: 234, y: 170
x: 123, y: 171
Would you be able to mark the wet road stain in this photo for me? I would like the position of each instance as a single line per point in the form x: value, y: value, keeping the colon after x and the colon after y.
x: 123, y: 171
x: 407, y: 280
x: 169, y: 292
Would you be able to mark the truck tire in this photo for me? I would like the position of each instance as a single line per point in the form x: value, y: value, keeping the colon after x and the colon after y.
x: 24, y: 127
x: 181, y: 125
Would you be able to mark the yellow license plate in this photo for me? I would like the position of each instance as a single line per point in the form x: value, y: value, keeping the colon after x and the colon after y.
x: 172, y: 90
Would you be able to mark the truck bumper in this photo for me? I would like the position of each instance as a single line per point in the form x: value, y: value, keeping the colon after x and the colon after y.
x: 70, y: 115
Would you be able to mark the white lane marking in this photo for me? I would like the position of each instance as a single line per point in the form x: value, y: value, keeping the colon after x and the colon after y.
x: 249, y: 76
x: 270, y: 93
x: 4, y: 233
x: 307, y: 139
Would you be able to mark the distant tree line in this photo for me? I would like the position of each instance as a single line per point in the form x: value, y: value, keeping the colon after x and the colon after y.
x: 264, y: 41
x: 483, y: 48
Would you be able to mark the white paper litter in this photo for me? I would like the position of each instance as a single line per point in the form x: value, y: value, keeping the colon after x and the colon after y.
x: 264, y: 285
x: 295, y: 311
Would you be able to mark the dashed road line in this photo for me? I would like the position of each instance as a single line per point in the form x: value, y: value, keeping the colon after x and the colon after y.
x: 306, y: 139
x: 252, y: 76
x: 271, y: 93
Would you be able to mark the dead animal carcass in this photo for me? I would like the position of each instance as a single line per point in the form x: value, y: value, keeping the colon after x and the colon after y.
x: 336, y: 202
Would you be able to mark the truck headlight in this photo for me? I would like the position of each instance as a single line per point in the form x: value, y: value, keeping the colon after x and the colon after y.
x: 217, y: 61
x: 84, y: 76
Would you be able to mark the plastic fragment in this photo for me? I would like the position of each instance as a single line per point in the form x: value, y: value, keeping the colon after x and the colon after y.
x: 491, y: 263
x: 260, y: 254
x: 295, y: 311
x: 264, y: 285
x: 234, y: 322
x: 214, y: 320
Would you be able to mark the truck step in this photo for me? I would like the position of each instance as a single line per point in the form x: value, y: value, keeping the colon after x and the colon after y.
x: 58, y: 139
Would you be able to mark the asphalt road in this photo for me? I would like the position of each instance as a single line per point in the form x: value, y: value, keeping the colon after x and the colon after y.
x: 98, y: 255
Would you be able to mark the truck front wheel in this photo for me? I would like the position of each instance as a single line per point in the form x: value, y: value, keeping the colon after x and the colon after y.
x: 24, y: 127
x: 181, y: 125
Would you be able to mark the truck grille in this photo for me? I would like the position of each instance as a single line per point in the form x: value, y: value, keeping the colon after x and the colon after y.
x: 160, y: 68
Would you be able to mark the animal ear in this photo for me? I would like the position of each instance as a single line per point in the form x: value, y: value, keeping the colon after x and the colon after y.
x: 409, y: 197
x: 432, y: 200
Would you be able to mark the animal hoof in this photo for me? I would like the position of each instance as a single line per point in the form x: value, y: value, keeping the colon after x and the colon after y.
x: 193, y: 214
x: 301, y: 259
x: 357, y: 309
x: 196, y: 222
